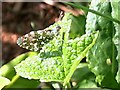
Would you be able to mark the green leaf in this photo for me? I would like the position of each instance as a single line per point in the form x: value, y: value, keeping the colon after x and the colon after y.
x: 80, y: 73
x: 53, y: 68
x: 48, y: 65
x: 59, y: 58
x: 75, y: 50
x: 49, y: 69
x: 19, y: 82
x: 94, y: 11
x: 3, y: 82
x: 83, y: 77
x: 77, y: 26
x: 8, y: 70
x: 115, y: 14
x: 102, y: 56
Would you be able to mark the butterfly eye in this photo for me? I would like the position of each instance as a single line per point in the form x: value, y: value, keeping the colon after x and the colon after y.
x: 36, y: 39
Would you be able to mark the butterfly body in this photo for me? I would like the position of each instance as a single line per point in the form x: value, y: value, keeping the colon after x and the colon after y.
x: 36, y: 39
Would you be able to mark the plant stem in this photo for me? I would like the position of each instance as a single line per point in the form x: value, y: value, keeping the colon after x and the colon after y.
x: 93, y: 11
x: 13, y: 80
x: 67, y: 86
x: 114, y: 63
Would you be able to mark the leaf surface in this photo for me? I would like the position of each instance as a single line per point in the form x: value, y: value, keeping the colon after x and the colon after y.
x: 102, y: 56
x: 59, y: 58
x: 3, y: 82
x: 115, y: 14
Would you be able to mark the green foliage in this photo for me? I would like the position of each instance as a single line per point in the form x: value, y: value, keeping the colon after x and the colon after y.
x: 83, y: 77
x: 60, y: 59
x: 3, y: 82
x: 77, y: 26
x: 116, y: 38
x: 102, y: 57
x: 15, y: 81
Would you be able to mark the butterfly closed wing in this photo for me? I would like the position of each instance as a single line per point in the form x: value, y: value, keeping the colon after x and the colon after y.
x: 36, y: 39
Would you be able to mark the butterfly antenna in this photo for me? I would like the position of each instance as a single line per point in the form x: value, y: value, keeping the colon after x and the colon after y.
x: 61, y: 15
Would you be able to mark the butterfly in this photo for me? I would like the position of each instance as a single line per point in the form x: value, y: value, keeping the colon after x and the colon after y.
x: 35, y: 40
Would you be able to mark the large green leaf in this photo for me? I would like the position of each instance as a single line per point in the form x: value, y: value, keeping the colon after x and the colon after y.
x: 102, y: 56
x: 59, y: 58
x: 116, y: 14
